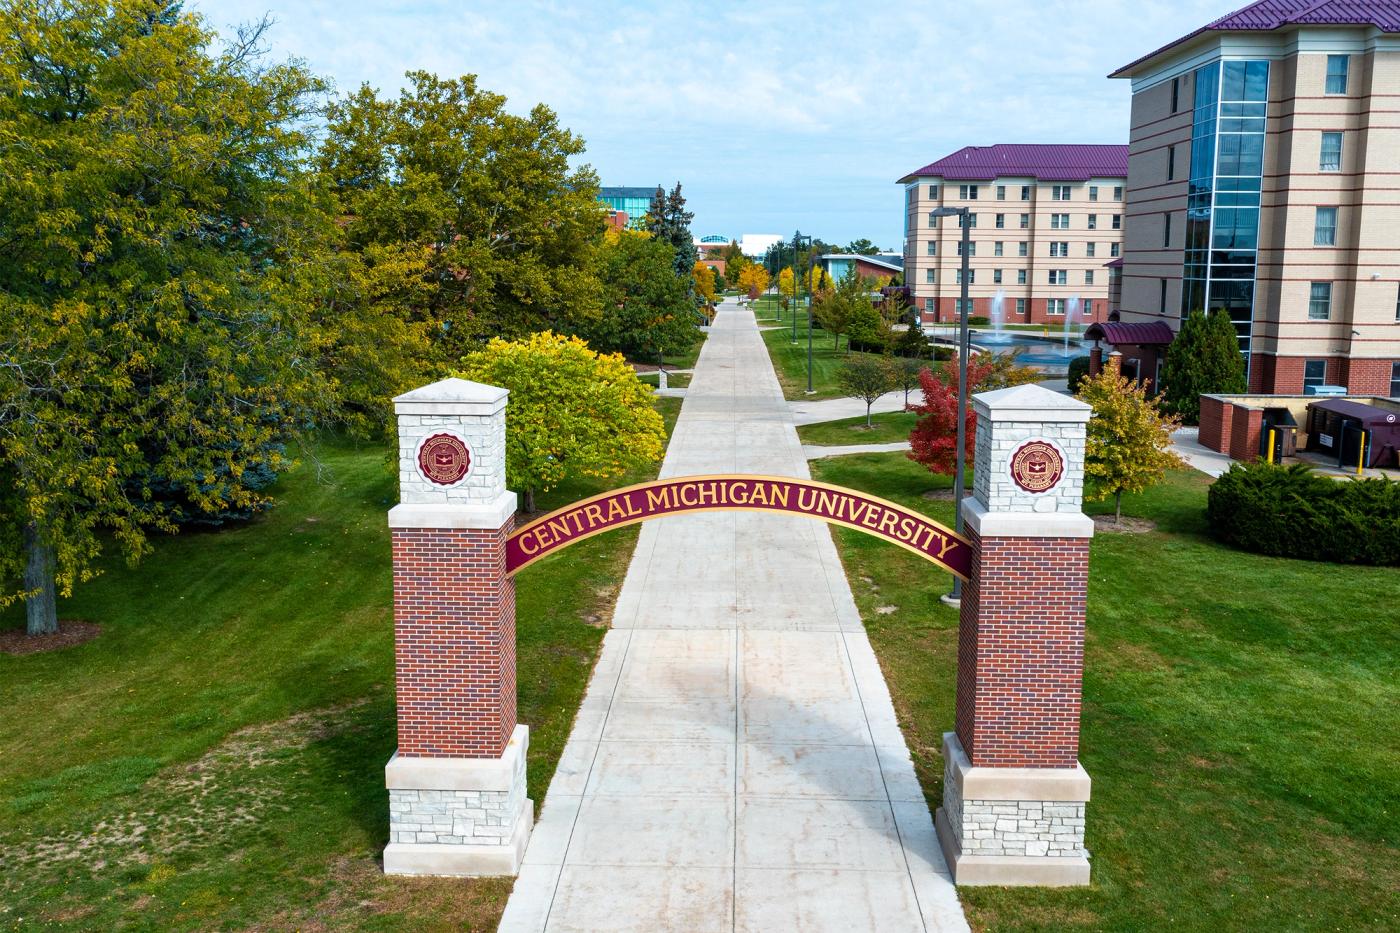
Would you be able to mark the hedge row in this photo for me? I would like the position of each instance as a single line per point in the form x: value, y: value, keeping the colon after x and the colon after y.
x: 1292, y: 512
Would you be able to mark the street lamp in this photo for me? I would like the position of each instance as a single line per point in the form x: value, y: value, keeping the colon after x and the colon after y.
x: 955, y: 597
x: 797, y: 239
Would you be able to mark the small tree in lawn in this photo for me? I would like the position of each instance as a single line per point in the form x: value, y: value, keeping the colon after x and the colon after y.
x: 1204, y: 359
x: 787, y: 284
x: 866, y: 378
x: 934, y: 440
x: 704, y: 279
x: 1129, y: 439
x: 572, y: 411
x: 904, y: 374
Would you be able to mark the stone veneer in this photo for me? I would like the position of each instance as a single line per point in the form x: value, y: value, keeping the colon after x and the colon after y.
x: 1031, y: 828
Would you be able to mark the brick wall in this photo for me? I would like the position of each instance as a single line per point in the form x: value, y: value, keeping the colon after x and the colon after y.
x: 1244, y: 433
x: 1216, y: 416
x: 1021, y: 652
x: 454, y: 642
x: 1368, y: 377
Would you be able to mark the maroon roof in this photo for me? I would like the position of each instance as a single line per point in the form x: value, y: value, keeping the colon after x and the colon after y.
x: 1268, y: 15
x: 1118, y: 333
x: 1044, y: 162
x: 1115, y: 263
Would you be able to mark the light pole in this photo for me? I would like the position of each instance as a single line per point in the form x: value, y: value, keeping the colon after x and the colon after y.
x: 810, y: 390
x: 955, y: 597
x: 797, y: 239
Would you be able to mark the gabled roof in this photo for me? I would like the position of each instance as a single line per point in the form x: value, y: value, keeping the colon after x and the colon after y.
x: 1268, y: 15
x: 623, y: 192
x: 891, y: 261
x: 1043, y: 162
x: 1119, y: 333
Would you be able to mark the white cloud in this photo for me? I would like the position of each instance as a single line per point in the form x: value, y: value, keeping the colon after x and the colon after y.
x: 773, y: 115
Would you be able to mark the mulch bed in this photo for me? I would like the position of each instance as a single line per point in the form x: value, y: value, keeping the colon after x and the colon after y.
x: 1104, y: 524
x: 70, y: 632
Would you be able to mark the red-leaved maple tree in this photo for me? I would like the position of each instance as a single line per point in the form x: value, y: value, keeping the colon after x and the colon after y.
x: 934, y: 440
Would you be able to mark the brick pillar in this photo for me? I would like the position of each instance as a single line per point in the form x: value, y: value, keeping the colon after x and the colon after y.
x: 457, y: 801
x: 1095, y: 359
x: 1014, y: 793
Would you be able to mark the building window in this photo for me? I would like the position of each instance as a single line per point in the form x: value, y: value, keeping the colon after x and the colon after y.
x: 1314, y: 373
x: 1001, y: 221
x: 933, y: 220
x: 1337, y: 73
x: 1117, y: 192
x: 1059, y: 248
x: 1171, y: 163
x: 1166, y: 230
x: 1089, y: 249
x: 1060, y: 192
x: 1117, y: 221
x: 967, y: 192
x: 1176, y: 94
x: 928, y: 277
x: 1020, y: 276
x: 1001, y: 192
x: 1397, y: 304
x: 1162, y: 296
x: 928, y: 304
x: 1059, y: 276
x: 1093, y: 192
x: 996, y: 276
x: 971, y: 248
x: 1059, y: 221
x: 1088, y: 310
x: 932, y: 247
x: 1325, y: 227
x: 1113, y: 250
x: 971, y: 276
x: 1025, y: 192
x: 1023, y: 248
x: 1320, y: 301
x: 1395, y: 380
x: 1021, y: 306
x: 997, y: 248
x: 1093, y: 221
x: 1331, y: 158
x: 1088, y: 276
x: 933, y: 192
x: 1025, y: 221
x: 1055, y: 307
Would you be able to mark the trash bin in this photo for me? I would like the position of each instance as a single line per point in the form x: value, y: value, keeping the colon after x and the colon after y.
x: 1280, y: 423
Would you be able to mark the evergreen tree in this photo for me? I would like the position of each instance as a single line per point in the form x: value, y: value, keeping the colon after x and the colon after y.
x: 1204, y: 359
x: 667, y: 219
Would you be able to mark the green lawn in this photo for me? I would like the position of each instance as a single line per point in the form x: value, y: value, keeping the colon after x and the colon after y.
x: 673, y: 380
x: 214, y: 760
x: 886, y: 428
x: 1239, y: 720
x: 765, y: 308
x: 790, y: 361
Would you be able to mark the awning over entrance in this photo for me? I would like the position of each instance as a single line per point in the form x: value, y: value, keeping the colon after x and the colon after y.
x: 1120, y: 333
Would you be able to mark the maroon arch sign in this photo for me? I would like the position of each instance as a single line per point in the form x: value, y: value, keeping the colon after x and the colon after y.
x: 835, y: 505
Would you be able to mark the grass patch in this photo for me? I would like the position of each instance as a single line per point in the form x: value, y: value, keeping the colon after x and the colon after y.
x: 1238, y: 720
x: 887, y: 428
x: 673, y: 380
x: 214, y: 760
x: 790, y: 361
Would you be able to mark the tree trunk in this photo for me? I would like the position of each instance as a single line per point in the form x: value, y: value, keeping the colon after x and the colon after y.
x: 529, y: 499
x: 1118, y: 507
x: 42, y: 607
x: 867, y: 415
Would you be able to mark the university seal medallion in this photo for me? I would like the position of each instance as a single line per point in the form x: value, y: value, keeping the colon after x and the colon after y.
x: 444, y: 459
x: 1037, y: 466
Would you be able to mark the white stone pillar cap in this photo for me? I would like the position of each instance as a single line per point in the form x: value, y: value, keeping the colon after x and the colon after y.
x: 452, y: 397
x: 1030, y: 402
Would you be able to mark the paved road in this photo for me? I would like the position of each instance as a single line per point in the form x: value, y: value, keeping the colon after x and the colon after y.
x: 736, y: 764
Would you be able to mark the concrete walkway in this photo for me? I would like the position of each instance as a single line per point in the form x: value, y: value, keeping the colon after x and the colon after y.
x: 817, y: 451
x: 736, y: 763
x: 1187, y: 445
x: 805, y: 411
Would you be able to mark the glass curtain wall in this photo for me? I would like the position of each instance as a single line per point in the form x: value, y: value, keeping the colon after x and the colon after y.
x: 1222, y: 213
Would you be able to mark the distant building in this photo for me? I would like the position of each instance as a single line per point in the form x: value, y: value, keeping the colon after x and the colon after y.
x: 710, y: 244
x: 1262, y: 182
x: 635, y: 202
x: 1044, y: 218
x: 879, y: 266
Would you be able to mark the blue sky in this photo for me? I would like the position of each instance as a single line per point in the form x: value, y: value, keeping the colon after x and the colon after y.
x: 774, y: 116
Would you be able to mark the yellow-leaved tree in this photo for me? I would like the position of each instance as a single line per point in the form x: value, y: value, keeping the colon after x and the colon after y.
x: 786, y: 285
x: 1129, y: 439
x: 753, y: 280
x: 704, y: 283
x: 573, y: 412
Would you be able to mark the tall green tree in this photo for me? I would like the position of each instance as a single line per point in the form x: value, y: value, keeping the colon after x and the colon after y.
x: 647, y: 312
x: 1204, y: 359
x: 468, y: 219
x: 153, y: 334
x: 668, y: 220
x: 862, y: 247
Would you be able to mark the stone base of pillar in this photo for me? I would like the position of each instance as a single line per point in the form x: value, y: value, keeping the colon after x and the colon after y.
x: 1012, y: 826
x: 461, y: 817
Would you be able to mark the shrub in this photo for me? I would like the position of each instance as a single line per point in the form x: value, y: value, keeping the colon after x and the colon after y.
x: 1078, y: 371
x: 978, y: 320
x: 1289, y: 511
x: 1204, y: 359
